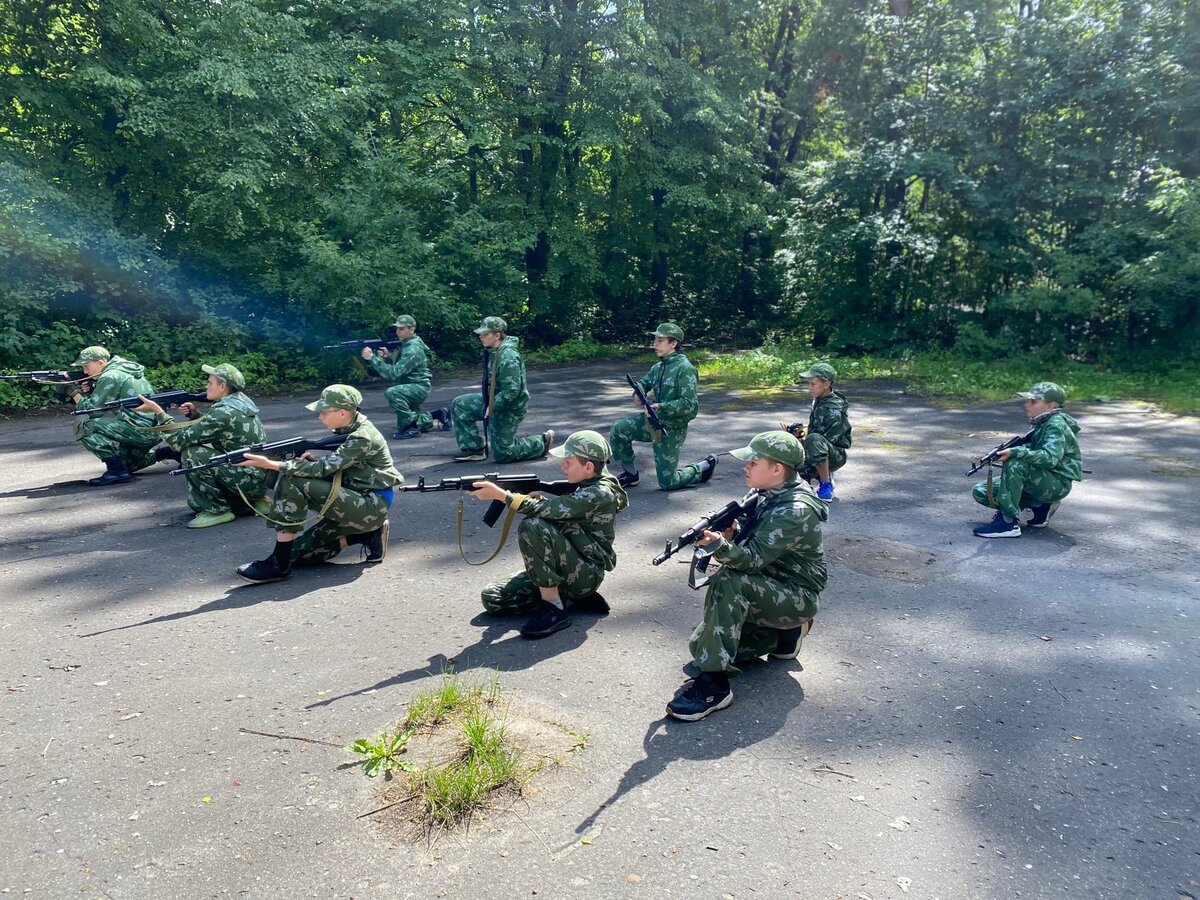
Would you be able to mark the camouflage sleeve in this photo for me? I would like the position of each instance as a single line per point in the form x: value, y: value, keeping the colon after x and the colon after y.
x: 108, y: 388
x: 570, y: 507
x: 682, y: 403
x: 386, y: 369
x: 205, y: 430
x: 776, y: 533
x: 830, y: 422
x: 355, y: 451
x: 1046, y: 452
x: 647, y: 380
x: 510, y: 377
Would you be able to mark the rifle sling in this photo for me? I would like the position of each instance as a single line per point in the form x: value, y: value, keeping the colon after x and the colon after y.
x: 517, y: 500
x: 334, y: 492
x: 172, y: 426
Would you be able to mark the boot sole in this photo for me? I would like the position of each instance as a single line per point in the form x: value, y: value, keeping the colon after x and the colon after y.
x: 538, y: 635
x: 261, y: 580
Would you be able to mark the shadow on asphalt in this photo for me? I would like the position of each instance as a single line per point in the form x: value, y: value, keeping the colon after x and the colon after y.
x: 764, y: 696
x: 245, y: 595
x: 489, y: 652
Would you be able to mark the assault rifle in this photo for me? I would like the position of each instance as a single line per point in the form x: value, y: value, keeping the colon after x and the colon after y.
x: 651, y: 412
x: 289, y: 449
x: 165, y: 399
x: 356, y: 346
x: 518, y: 484
x: 718, y: 521
x: 45, y: 376
x: 989, y: 458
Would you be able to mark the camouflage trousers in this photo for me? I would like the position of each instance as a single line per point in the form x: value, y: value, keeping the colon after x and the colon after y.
x: 216, y: 490
x: 1022, y: 486
x: 816, y: 451
x: 550, y: 561
x: 742, y: 614
x: 506, y: 447
x: 666, y: 452
x: 353, y: 512
x: 405, y: 401
x: 116, y: 437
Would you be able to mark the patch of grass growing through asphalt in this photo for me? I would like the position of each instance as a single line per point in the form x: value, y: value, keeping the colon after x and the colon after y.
x: 470, y: 758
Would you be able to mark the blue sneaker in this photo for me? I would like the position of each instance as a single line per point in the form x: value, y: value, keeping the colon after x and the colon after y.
x: 825, y: 490
x: 999, y: 527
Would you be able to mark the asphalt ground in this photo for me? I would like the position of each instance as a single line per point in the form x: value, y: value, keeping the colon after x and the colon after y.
x: 969, y: 718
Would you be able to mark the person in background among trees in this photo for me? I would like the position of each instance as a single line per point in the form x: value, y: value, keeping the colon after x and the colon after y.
x: 827, y: 437
x: 672, y: 389
x: 232, y: 422
x: 351, y: 488
x: 119, y: 438
x: 764, y: 598
x: 566, y: 542
x: 408, y: 366
x: 500, y: 404
x: 1037, y: 475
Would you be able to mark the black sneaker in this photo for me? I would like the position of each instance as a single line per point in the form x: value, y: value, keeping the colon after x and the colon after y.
x: 375, y: 544
x: 701, y: 697
x: 787, y: 644
x: 1041, y: 515
x: 546, y: 622
x: 707, y: 466
x: 407, y: 434
x: 115, y: 472
x: 262, y: 572
x: 443, y: 418
x: 163, y: 453
x: 629, y: 479
x: 591, y: 603
x: 999, y: 527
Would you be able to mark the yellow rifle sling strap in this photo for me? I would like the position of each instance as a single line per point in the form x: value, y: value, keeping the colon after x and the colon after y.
x: 172, y: 426
x: 513, y: 506
x: 334, y: 491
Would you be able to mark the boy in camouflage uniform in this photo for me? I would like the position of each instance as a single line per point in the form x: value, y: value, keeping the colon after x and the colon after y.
x: 351, y: 488
x: 1037, y: 475
x: 118, y: 438
x: 764, y: 598
x: 566, y: 542
x: 408, y: 366
x: 500, y: 405
x: 231, y: 423
x: 671, y: 386
x: 827, y: 437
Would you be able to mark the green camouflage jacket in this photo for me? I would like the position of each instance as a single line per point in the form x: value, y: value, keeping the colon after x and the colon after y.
x: 828, y: 418
x: 784, y: 539
x: 230, y: 424
x: 505, y: 366
x: 364, y: 460
x: 411, y: 365
x: 587, y: 517
x: 1054, y: 447
x: 671, y: 383
x: 120, y: 380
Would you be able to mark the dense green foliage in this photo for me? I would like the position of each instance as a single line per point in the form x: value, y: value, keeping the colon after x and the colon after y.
x: 255, y: 177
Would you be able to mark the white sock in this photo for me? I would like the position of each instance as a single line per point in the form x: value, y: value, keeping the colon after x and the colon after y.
x: 556, y: 602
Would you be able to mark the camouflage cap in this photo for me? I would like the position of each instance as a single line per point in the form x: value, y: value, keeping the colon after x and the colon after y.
x: 404, y: 322
x: 586, y: 445
x: 669, y: 330
x: 492, y: 323
x: 1045, y: 390
x: 820, y: 370
x: 778, y: 446
x: 229, y: 374
x: 92, y: 354
x: 337, y: 396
